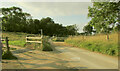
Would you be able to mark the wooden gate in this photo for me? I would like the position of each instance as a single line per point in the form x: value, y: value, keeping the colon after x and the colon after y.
x: 29, y: 39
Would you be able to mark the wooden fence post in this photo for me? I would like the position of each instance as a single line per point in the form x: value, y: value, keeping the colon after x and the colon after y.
x: 7, y: 44
x: 41, y: 38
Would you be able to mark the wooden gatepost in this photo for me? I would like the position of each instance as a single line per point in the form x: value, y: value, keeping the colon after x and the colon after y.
x: 6, y: 42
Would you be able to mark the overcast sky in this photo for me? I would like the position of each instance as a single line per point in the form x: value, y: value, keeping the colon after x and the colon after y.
x: 66, y: 13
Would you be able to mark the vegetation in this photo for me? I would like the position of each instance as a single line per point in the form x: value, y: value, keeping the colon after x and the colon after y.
x: 104, y: 17
x: 97, y: 43
x: 47, y: 46
x: 104, y: 21
x: 88, y: 29
x: 15, y: 20
x: 8, y: 55
x: 15, y: 38
x: 58, y: 39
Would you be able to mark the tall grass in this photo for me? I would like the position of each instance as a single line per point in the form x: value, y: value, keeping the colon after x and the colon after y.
x: 97, y: 43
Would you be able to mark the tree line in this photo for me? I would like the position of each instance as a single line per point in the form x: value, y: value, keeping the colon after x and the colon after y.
x: 15, y: 20
x: 105, y: 18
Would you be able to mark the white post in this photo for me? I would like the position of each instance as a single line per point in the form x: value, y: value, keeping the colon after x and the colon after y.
x: 41, y: 33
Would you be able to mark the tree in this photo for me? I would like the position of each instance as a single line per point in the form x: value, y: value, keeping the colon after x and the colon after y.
x: 14, y: 19
x: 88, y: 29
x: 47, y: 24
x: 103, y: 15
x: 72, y: 29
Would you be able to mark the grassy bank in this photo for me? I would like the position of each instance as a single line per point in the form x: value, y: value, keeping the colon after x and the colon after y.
x: 97, y: 43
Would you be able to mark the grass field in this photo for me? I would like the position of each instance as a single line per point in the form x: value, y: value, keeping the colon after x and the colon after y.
x: 97, y: 43
x: 17, y: 39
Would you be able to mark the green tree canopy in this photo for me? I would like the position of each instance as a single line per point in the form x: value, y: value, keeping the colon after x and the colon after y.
x: 104, y: 15
x: 14, y: 19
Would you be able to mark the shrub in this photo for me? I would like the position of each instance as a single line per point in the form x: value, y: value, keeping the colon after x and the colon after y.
x: 46, y: 46
x: 8, y: 55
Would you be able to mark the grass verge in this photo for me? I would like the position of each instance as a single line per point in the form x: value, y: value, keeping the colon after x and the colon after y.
x: 97, y: 43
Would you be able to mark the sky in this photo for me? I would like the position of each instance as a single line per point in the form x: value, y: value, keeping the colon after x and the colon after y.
x: 65, y: 13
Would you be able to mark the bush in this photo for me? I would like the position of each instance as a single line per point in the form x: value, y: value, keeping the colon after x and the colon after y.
x: 8, y: 55
x: 46, y: 46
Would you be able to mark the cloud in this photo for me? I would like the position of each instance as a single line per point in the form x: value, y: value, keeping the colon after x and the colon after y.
x: 55, y: 9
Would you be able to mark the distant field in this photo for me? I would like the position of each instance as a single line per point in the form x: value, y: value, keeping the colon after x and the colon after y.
x: 97, y: 43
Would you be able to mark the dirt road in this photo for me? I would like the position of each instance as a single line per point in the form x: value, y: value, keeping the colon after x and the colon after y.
x: 87, y: 59
x: 63, y: 58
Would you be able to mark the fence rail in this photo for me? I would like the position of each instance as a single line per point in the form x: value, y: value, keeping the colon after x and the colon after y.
x: 33, y: 37
x: 35, y: 41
